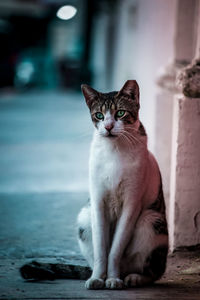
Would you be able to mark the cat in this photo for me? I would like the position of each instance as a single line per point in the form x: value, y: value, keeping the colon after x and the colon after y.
x: 122, y: 231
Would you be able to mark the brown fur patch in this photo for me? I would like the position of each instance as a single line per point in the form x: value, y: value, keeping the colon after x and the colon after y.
x: 142, y: 130
x: 159, y: 203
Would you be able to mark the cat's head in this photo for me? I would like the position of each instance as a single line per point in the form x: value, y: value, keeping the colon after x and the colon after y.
x: 116, y: 112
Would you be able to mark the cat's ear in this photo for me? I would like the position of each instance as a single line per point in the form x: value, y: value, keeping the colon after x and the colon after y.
x: 131, y: 88
x: 89, y: 93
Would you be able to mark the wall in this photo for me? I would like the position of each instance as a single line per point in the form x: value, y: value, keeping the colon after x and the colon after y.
x: 141, y: 50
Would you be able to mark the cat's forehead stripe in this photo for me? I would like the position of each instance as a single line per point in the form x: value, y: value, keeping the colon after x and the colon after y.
x: 103, y: 108
x: 113, y: 106
x: 112, y: 102
x: 108, y: 105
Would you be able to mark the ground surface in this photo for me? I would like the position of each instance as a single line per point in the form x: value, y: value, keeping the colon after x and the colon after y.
x: 174, y: 285
x: 44, y: 148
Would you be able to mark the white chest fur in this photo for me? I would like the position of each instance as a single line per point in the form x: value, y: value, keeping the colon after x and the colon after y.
x: 112, y: 172
x: 105, y: 165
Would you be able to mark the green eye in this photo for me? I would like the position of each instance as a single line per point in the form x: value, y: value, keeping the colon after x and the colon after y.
x: 120, y: 113
x: 99, y: 116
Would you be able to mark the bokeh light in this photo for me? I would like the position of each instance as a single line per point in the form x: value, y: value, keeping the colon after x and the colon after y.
x: 66, y: 12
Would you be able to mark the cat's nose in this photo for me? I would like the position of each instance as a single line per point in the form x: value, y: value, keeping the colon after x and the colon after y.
x: 109, y: 127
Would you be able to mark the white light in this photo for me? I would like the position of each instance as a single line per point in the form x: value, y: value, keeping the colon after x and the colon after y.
x: 66, y: 12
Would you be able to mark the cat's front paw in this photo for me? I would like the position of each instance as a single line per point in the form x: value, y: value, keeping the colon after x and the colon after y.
x: 114, y: 284
x: 94, y: 284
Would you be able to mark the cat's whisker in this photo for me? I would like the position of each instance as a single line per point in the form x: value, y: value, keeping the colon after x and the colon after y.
x: 131, y: 137
x: 132, y: 141
x: 136, y: 140
x: 124, y: 139
x: 132, y: 129
x: 134, y: 137
x: 128, y: 140
x: 122, y: 135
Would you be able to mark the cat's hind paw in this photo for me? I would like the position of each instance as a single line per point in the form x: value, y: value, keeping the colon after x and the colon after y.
x: 94, y: 284
x: 133, y: 280
x: 114, y: 284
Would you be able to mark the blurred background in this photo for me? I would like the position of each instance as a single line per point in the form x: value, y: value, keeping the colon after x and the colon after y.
x: 48, y: 48
x: 102, y: 43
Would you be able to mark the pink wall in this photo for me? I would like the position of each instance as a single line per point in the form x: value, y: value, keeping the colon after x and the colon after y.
x: 156, y: 23
x: 144, y: 45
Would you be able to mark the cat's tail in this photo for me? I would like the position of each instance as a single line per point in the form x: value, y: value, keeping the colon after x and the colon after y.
x: 49, y: 271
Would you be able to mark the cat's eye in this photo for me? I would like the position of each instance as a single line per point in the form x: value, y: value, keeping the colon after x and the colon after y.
x: 120, y: 113
x: 99, y: 116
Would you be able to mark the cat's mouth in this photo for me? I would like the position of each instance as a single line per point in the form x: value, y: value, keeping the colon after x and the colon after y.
x: 110, y: 135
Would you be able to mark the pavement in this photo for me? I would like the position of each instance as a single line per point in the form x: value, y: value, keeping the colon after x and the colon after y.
x: 44, y: 150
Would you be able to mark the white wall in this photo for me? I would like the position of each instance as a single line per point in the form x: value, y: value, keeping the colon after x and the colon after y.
x: 144, y: 46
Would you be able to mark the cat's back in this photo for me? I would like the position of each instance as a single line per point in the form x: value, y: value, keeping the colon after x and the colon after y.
x: 153, y: 180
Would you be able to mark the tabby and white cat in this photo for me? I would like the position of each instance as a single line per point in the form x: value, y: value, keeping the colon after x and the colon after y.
x: 123, y: 230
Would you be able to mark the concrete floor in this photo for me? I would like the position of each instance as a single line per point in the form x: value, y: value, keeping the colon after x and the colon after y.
x: 174, y: 286
x: 44, y: 148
